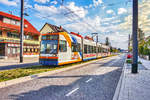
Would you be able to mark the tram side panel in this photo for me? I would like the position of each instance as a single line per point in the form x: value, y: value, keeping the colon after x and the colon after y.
x: 89, y: 50
x: 72, y: 53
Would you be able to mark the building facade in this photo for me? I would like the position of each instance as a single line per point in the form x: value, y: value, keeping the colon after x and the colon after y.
x: 49, y: 28
x: 10, y: 37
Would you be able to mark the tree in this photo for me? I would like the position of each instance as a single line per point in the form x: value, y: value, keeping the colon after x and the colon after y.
x: 107, y: 41
x: 141, y: 34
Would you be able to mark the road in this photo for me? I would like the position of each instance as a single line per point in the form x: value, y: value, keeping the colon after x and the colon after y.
x: 95, y: 81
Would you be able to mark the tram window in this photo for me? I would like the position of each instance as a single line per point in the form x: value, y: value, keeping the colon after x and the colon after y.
x: 85, y: 49
x: 62, y: 46
x: 75, y: 47
x: 91, y: 49
x: 54, y: 37
x: 88, y: 49
x: 50, y: 37
x: 99, y: 50
x: 43, y: 37
x: 78, y: 47
x: 102, y: 50
x: 94, y: 49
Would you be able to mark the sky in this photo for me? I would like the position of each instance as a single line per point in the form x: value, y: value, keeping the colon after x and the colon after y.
x: 108, y: 18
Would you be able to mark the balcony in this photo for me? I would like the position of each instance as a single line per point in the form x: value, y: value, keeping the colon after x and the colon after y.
x: 15, y: 40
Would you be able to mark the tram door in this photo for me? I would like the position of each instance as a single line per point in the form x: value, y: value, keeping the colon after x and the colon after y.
x: 64, y: 50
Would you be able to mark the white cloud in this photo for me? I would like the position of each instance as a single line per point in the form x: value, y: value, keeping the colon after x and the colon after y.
x: 9, y: 3
x: 26, y: 5
x: 54, y: 2
x: 60, y: 15
x: 122, y: 11
x: 103, y: 7
x: 42, y: 1
x: 80, y: 11
x: 97, y: 2
x: 109, y: 11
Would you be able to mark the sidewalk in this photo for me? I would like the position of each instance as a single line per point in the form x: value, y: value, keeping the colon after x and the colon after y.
x: 6, y: 64
x: 135, y: 86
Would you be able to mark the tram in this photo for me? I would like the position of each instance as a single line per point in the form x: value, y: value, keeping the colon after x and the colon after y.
x: 63, y: 48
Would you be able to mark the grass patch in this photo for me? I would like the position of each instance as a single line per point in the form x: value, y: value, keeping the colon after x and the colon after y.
x: 129, y: 61
x: 21, y: 72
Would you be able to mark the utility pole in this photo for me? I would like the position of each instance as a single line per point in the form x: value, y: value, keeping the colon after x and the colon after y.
x: 21, y: 31
x: 134, y: 35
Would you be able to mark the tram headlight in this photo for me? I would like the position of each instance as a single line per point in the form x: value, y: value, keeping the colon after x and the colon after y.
x: 54, y: 55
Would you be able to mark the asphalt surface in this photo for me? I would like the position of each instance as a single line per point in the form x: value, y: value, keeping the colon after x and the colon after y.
x: 96, y: 81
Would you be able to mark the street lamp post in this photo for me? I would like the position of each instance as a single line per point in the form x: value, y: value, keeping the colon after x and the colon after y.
x: 21, y: 31
x: 96, y: 41
x: 134, y: 35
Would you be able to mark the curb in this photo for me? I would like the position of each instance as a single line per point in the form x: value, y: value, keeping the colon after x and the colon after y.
x: 35, y: 76
x: 120, y: 83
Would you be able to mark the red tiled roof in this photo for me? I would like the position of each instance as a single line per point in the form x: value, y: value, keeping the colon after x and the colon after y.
x: 30, y: 27
x: 56, y: 28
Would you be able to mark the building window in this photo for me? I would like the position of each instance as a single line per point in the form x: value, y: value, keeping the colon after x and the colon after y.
x: 17, y: 23
x: 32, y: 50
x: 6, y: 20
x: 28, y: 37
x: 14, y: 50
x: 8, y: 51
x: 2, y: 50
x: 18, y: 50
x: 12, y: 35
x: 28, y: 50
x: 35, y: 50
x: 11, y: 21
x: 24, y: 50
x: 0, y: 33
x: 62, y: 46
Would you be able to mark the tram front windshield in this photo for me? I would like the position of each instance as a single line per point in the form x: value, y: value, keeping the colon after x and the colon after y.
x: 49, y: 46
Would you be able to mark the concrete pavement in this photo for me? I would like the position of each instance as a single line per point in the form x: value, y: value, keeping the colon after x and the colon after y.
x: 136, y: 86
x: 6, y: 64
x: 96, y: 81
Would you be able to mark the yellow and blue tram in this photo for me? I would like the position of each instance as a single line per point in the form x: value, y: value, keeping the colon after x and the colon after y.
x: 64, y: 48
